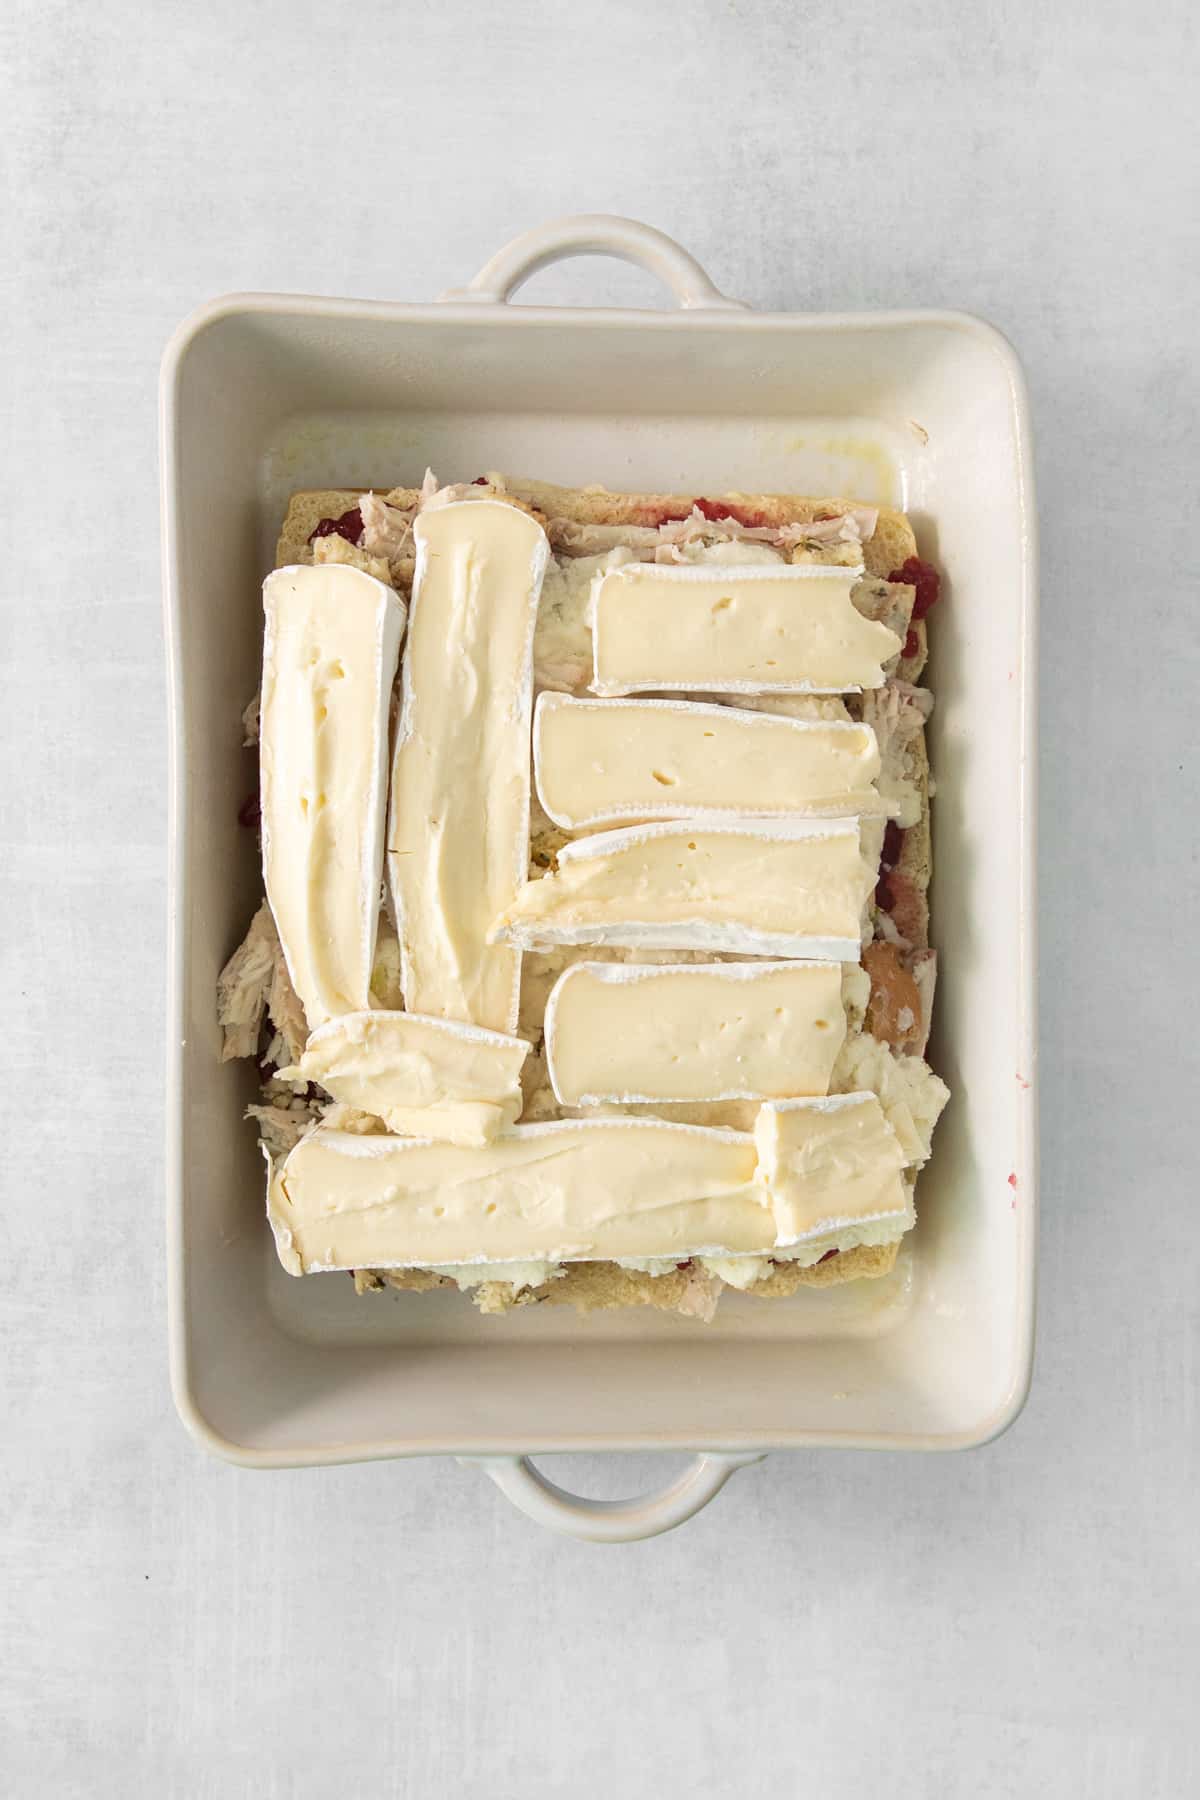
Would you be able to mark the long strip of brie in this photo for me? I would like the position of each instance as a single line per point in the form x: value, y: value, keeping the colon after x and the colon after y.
x: 423, y: 1077
x: 597, y: 762
x: 560, y: 1192
x: 785, y: 888
x: 331, y: 642
x: 756, y: 629
x: 832, y: 1166
x: 458, y: 829
x: 627, y: 1032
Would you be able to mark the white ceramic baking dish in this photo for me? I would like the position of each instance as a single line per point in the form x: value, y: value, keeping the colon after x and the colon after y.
x: 262, y: 394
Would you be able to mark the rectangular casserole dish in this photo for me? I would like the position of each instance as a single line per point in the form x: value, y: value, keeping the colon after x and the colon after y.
x: 262, y: 395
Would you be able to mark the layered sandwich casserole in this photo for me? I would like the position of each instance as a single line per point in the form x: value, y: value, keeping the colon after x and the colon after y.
x: 593, y: 964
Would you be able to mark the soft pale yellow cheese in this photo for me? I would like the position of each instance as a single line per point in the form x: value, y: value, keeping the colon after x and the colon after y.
x: 600, y: 761
x: 785, y: 888
x: 331, y: 641
x: 459, y: 823
x: 424, y: 1077
x: 829, y: 1166
x: 758, y: 629
x: 623, y: 1032
x: 911, y: 1095
x: 560, y: 1192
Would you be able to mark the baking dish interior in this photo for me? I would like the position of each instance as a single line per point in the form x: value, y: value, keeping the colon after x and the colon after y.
x: 264, y: 396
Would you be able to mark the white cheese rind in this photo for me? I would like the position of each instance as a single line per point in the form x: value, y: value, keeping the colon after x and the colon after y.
x: 458, y: 828
x: 831, y: 1166
x: 630, y: 1034
x: 598, y: 762
x: 425, y: 1077
x: 553, y: 1193
x: 785, y: 888
x: 755, y: 629
x: 330, y: 646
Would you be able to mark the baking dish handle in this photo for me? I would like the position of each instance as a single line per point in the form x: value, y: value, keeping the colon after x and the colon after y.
x: 613, y: 1521
x: 595, y: 234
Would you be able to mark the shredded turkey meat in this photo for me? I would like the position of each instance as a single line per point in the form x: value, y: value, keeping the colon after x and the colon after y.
x: 896, y: 713
x: 486, y: 487
x: 717, y: 549
x: 387, y: 530
x: 852, y: 527
x: 335, y: 549
x: 700, y: 1296
x: 243, y: 985
x: 844, y: 534
x: 281, y: 1127
x: 250, y: 720
x: 887, y: 604
x: 255, y: 981
x: 572, y: 538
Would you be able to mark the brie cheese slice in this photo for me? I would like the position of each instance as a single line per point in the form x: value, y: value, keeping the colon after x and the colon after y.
x: 756, y: 629
x: 628, y: 1033
x: 785, y: 888
x: 597, y: 762
x: 331, y: 642
x: 458, y: 830
x: 561, y: 1192
x: 426, y: 1077
x: 832, y: 1166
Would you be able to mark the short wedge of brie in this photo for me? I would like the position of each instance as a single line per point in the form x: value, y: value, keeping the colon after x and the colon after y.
x: 792, y: 888
x: 755, y: 629
x: 831, y: 1168
x: 627, y: 1033
x: 458, y: 826
x: 598, y: 762
x: 425, y: 1077
x: 562, y: 1192
x: 330, y: 648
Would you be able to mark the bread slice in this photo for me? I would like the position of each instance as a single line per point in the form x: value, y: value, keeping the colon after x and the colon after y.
x: 321, y: 524
x: 601, y: 1286
x: 890, y: 546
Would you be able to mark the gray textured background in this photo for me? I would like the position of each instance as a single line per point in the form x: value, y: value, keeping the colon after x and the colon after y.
x: 1020, y: 1620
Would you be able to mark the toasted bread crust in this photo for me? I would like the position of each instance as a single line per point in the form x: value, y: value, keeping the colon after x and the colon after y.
x: 305, y: 511
x: 601, y: 1286
x: 890, y: 546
